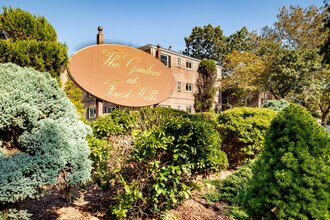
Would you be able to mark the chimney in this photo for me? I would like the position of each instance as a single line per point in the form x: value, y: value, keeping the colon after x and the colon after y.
x: 158, y: 52
x: 100, y: 37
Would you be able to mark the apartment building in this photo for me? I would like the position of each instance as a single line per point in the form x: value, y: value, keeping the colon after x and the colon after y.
x: 184, y: 70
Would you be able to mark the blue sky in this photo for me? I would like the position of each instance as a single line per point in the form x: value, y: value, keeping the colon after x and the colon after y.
x: 141, y: 22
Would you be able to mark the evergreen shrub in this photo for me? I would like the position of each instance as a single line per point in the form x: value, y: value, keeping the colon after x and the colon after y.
x: 276, y: 105
x: 292, y: 176
x: 242, y: 131
x: 232, y: 187
x: 41, y: 138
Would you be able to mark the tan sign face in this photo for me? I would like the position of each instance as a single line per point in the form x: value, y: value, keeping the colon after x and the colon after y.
x: 121, y: 75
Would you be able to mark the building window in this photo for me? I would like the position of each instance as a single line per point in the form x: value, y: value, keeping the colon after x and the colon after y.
x: 179, y: 86
x: 188, y: 65
x: 165, y: 106
x: 179, y: 107
x: 92, y: 112
x: 189, y: 109
x: 179, y: 62
x: 166, y: 60
x: 188, y: 87
x: 109, y: 109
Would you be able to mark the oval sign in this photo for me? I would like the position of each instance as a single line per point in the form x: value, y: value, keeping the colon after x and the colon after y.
x: 121, y: 75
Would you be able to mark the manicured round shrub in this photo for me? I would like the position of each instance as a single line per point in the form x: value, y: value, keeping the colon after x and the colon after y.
x: 292, y: 176
x: 242, y: 131
x: 41, y: 137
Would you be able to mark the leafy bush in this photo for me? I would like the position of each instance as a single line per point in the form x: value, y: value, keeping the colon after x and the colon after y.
x: 292, y: 176
x: 153, y: 175
x: 40, y: 135
x: 209, y: 116
x: 242, y: 131
x: 276, y: 105
x: 116, y: 123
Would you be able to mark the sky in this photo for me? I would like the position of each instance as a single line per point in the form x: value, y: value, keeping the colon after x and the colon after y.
x: 141, y: 22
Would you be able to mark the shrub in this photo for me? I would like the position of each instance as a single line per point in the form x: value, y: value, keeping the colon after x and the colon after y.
x: 292, y: 176
x: 32, y: 42
x: 40, y: 135
x: 154, y: 173
x: 116, y: 123
x: 209, y: 116
x: 232, y: 187
x: 242, y: 131
x: 276, y: 105
x: 14, y: 214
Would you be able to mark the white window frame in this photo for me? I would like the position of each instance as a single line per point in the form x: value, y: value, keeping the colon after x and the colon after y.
x: 179, y: 62
x: 166, y: 61
x: 92, y: 112
x: 108, y: 109
x: 189, y: 87
x: 188, y: 64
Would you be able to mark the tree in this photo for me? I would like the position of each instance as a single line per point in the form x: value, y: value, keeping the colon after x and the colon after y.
x: 242, y: 70
x: 242, y: 41
x: 288, y: 72
x: 206, y: 42
x: 300, y: 28
x: 207, y: 77
x: 325, y: 49
x: 292, y: 176
x: 31, y: 41
x: 316, y: 97
x: 74, y: 93
x: 41, y: 139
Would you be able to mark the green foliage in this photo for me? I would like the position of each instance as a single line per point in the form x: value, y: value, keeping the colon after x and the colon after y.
x: 41, y: 55
x: 289, y: 72
x: 168, y: 149
x: 74, y: 93
x: 207, y: 76
x: 292, y: 176
x: 205, y: 42
x: 32, y: 42
x: 100, y: 153
x: 21, y: 25
x: 208, y: 42
x: 242, y: 131
x: 118, y: 122
x: 300, y: 28
x: 276, y: 105
x: 208, y: 116
x: 14, y: 214
x: 40, y: 135
x: 242, y: 41
x: 231, y: 189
